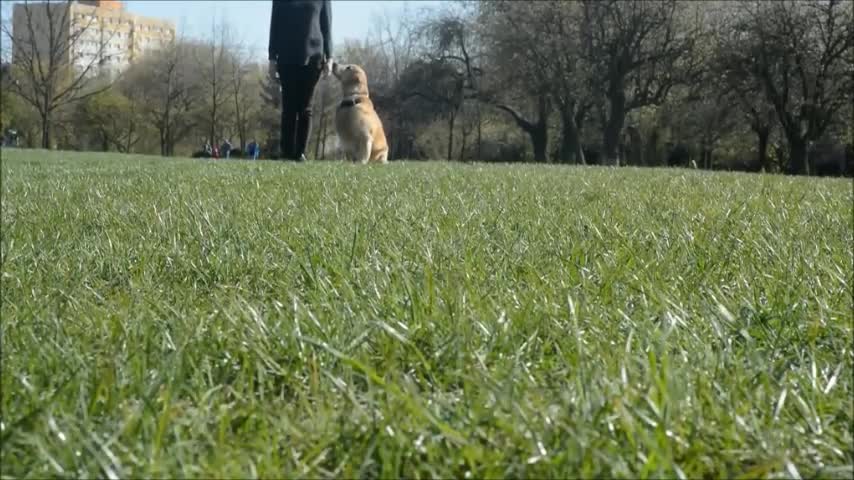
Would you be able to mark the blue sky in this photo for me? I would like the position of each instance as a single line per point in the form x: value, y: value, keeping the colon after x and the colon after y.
x: 250, y: 20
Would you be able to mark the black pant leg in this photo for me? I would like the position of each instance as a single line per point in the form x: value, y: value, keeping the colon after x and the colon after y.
x: 290, y: 79
x: 310, y: 76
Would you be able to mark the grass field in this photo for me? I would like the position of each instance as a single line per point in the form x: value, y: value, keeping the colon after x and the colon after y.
x: 178, y: 318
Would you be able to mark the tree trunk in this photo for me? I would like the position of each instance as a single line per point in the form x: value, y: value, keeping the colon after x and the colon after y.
x: 239, y: 117
x: 706, y: 154
x: 212, y: 132
x: 319, y: 129
x: 540, y: 142
x: 570, y: 147
x: 162, y: 142
x: 539, y: 131
x: 45, y: 120
x: 635, y: 154
x: 763, y: 135
x: 650, y: 157
x: 131, y: 129
x: 566, y: 144
x: 166, y: 134
x: 614, y: 127
x: 451, y: 120
x: 479, y: 131
x: 579, y: 127
x: 323, y: 128
x: 170, y: 143
x: 466, y: 132
x: 798, y: 156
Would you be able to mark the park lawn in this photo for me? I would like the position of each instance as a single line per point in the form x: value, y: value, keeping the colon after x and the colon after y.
x: 220, y: 319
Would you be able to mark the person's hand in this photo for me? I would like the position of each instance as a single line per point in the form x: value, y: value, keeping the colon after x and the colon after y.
x: 272, y: 70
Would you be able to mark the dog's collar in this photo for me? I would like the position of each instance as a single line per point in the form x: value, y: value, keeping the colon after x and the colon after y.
x: 349, y: 102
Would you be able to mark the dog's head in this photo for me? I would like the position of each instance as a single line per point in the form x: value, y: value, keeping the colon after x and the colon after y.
x: 352, y: 77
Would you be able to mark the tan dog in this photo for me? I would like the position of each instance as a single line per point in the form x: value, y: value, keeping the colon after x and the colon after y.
x: 360, y: 131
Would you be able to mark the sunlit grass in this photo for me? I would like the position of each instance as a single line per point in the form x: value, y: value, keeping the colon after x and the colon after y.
x: 176, y: 318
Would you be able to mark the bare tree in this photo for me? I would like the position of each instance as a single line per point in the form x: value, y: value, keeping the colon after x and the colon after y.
x: 241, y: 71
x: 5, y: 70
x: 394, y: 42
x: 269, y: 114
x: 742, y: 90
x: 514, y: 78
x: 638, y: 51
x: 51, y: 70
x: 434, y: 89
x: 110, y: 118
x: 798, y: 56
x: 6, y: 15
x: 447, y: 74
x: 167, y: 90
x: 536, y: 128
x: 533, y: 46
x: 216, y: 81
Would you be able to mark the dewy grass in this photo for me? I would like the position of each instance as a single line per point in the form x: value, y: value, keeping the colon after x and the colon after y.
x: 176, y: 318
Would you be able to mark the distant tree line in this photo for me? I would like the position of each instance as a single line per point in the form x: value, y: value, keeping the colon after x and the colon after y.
x: 750, y: 85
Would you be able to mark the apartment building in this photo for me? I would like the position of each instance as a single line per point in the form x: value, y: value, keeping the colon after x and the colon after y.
x: 105, y: 34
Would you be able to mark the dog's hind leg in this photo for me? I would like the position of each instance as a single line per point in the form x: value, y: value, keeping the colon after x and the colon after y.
x: 363, y: 155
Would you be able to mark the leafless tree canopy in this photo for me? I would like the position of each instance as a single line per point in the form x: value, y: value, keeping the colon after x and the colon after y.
x: 47, y: 71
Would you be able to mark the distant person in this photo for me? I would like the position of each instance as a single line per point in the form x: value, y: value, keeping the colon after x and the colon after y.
x: 250, y: 149
x: 10, y: 138
x: 207, y: 148
x: 300, y: 51
x: 215, y: 151
x: 226, y: 148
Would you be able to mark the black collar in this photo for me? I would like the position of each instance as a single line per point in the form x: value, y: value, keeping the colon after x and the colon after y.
x: 350, y: 102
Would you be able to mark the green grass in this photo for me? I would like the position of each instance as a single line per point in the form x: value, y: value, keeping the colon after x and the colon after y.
x: 177, y: 318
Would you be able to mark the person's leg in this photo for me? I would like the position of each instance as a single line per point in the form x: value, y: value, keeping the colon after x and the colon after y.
x: 289, y: 78
x: 309, y: 76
